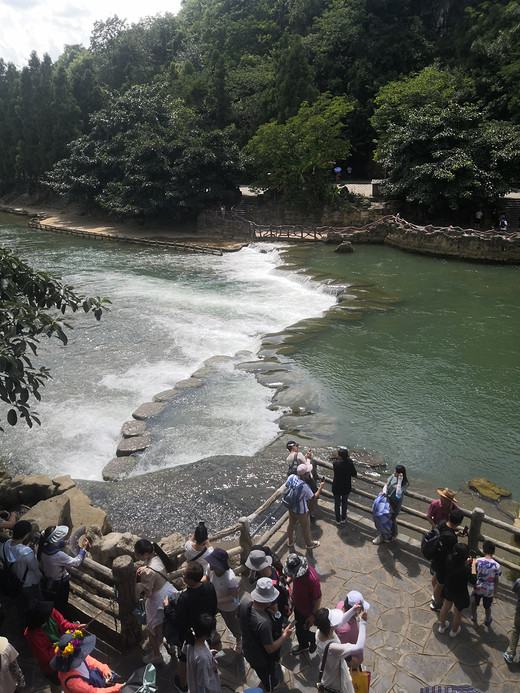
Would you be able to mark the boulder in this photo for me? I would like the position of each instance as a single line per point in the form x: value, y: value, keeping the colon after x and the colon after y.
x: 129, y: 446
x: 188, y: 383
x: 166, y: 395
x: 82, y: 512
x: 53, y: 511
x: 133, y: 428
x: 148, y: 410
x: 369, y: 459
x: 219, y: 358
x: 63, y: 483
x: 487, y: 489
x: 104, y: 549
x: 171, y: 544
x: 25, y: 490
x: 118, y: 468
x: 345, y: 247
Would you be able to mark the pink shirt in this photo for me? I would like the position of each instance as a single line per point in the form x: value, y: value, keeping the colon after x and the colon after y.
x: 439, y: 512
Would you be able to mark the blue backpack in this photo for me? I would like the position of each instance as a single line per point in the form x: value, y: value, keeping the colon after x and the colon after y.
x: 292, y: 494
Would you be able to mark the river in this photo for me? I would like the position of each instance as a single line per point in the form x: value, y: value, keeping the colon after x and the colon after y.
x: 418, y: 362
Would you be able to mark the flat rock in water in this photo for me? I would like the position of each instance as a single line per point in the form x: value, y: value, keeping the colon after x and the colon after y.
x: 119, y: 468
x: 133, y: 428
x: 188, y: 384
x: 369, y: 459
x: 130, y: 445
x: 166, y: 395
x: 148, y: 410
x: 488, y: 489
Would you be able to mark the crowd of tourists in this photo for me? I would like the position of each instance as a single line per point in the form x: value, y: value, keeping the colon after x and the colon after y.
x: 282, y: 600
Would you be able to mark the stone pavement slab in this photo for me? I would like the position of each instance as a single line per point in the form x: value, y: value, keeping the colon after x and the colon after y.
x: 404, y: 651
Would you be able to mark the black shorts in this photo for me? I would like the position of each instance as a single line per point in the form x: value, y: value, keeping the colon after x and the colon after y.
x: 487, y: 601
x: 459, y: 599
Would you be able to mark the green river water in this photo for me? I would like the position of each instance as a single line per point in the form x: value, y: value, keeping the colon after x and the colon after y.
x: 432, y: 380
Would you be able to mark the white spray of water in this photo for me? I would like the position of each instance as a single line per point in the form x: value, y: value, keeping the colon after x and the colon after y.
x: 170, y: 313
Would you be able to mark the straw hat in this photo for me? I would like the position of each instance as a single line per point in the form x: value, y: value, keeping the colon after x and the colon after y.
x: 447, y: 493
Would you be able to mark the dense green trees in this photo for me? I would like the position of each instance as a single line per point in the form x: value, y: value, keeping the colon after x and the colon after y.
x: 32, y: 306
x: 147, y: 154
x: 439, y: 146
x: 251, y: 63
x: 295, y: 159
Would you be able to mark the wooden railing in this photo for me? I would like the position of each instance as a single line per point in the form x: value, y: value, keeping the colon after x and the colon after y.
x: 109, y: 596
x: 151, y: 242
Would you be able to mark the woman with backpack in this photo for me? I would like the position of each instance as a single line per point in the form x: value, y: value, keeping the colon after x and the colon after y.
x: 154, y: 581
x: 54, y: 562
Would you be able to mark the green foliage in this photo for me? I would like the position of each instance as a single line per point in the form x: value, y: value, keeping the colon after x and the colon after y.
x: 449, y: 158
x: 431, y: 87
x: 247, y: 62
x: 294, y: 159
x: 148, y: 155
x: 32, y: 306
x: 294, y: 81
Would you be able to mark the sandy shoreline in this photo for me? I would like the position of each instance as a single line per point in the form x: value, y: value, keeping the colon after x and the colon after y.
x: 70, y: 217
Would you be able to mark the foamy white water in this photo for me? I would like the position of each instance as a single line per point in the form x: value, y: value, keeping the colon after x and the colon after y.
x: 170, y: 313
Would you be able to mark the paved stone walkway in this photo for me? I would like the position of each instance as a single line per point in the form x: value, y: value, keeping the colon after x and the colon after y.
x: 404, y: 651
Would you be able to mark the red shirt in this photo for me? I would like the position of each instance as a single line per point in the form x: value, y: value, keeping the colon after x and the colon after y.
x: 40, y: 643
x: 306, y: 590
x: 439, y: 512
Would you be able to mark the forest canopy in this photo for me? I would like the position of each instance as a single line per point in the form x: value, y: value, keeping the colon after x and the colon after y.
x: 158, y: 117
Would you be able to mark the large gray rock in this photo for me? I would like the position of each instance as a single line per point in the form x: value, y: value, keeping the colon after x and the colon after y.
x: 53, y: 511
x: 166, y: 395
x: 63, y: 483
x: 104, y: 549
x: 171, y: 543
x: 370, y: 459
x: 25, y: 490
x: 82, y: 512
x: 133, y: 428
x: 119, y: 468
x: 345, y: 247
x: 148, y: 410
x: 129, y: 446
x: 188, y: 384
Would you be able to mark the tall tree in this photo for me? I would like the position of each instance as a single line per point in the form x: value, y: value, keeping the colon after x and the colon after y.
x: 294, y: 159
x: 294, y: 80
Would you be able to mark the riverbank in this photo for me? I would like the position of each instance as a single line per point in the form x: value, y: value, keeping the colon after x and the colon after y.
x: 70, y: 217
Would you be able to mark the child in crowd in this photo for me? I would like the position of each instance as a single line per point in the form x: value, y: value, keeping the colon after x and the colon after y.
x: 487, y: 571
x: 201, y: 668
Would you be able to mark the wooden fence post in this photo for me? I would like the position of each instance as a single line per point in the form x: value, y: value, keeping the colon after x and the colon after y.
x: 124, y: 579
x: 475, y: 528
x: 245, y: 539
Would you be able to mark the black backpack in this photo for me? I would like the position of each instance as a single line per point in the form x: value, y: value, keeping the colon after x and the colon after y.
x: 293, y: 465
x: 430, y: 543
x: 10, y: 583
x: 171, y: 630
